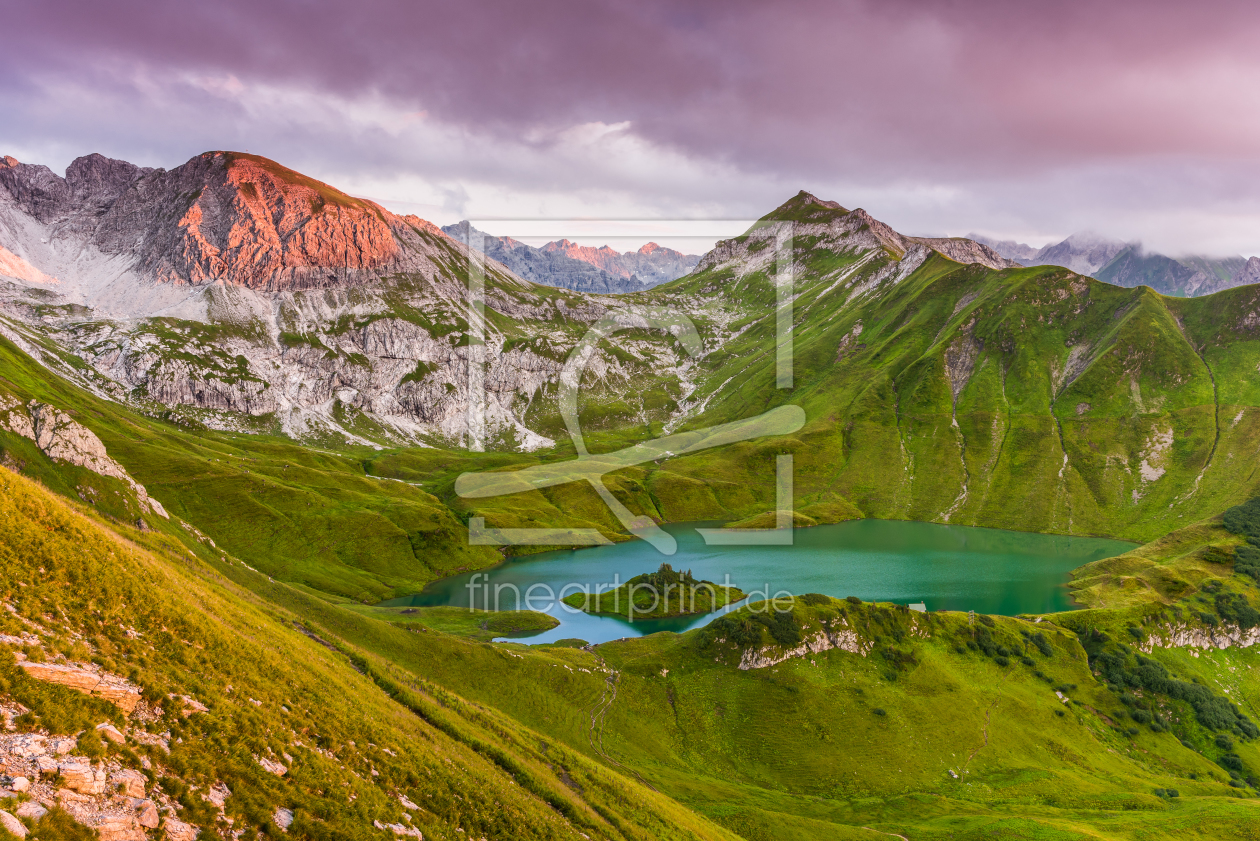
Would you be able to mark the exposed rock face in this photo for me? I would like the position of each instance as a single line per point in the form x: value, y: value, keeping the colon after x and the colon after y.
x: 283, y: 818
x: 131, y: 782
x: 823, y: 640
x: 548, y: 266
x: 272, y: 767
x: 112, y: 688
x: 401, y: 830
x: 1189, y: 636
x: 218, y: 795
x: 177, y: 830
x: 32, y: 810
x: 63, y: 439
x: 1128, y: 264
x: 83, y: 778
x: 1249, y: 273
x: 222, y: 216
x: 12, y: 825
x: 651, y: 264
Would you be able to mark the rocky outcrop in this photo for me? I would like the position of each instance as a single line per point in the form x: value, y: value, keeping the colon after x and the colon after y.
x: 822, y: 640
x: 64, y: 439
x: 9, y: 823
x: 177, y: 830
x: 272, y: 767
x: 283, y: 818
x: 84, y: 778
x: 1191, y: 636
x: 102, y: 796
x: 89, y: 680
x: 401, y: 830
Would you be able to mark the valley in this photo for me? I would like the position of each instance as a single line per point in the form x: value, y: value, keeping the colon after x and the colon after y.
x: 235, y: 407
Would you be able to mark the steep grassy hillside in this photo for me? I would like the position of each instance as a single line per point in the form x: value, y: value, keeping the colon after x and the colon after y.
x: 355, y: 738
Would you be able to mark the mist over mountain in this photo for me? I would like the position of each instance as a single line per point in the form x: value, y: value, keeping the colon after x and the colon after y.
x: 1128, y: 264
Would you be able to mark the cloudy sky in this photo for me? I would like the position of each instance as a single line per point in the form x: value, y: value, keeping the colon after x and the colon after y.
x: 1014, y: 119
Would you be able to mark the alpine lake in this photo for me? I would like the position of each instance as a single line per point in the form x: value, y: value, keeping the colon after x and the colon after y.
x: 940, y: 566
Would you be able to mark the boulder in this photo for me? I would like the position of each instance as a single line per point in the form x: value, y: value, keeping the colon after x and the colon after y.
x: 117, y: 827
x: 46, y: 765
x: 400, y: 830
x: 61, y: 747
x: 188, y: 706
x: 131, y: 783
x: 272, y: 766
x: 218, y: 795
x: 112, y: 688
x: 283, y: 818
x: 20, y: 784
x: 12, y: 825
x: 177, y: 830
x: 147, y: 815
x: 31, y: 809
x: 83, y: 778
x: 110, y: 732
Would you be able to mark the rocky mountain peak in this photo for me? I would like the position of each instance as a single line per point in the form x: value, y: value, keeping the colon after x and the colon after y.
x: 96, y: 175
x: 1250, y: 272
x: 222, y: 216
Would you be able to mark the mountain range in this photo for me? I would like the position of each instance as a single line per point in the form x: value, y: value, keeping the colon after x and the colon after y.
x: 1128, y: 264
x: 234, y: 414
x: 582, y: 268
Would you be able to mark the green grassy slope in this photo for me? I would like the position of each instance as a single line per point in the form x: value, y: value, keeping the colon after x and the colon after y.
x: 142, y: 606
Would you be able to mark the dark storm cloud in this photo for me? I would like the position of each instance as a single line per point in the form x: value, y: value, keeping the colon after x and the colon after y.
x: 937, y: 99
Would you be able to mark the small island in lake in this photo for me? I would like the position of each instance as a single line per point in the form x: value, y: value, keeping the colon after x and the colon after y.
x: 657, y: 595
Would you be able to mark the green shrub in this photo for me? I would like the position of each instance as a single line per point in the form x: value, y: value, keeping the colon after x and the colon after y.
x: 1043, y: 644
x: 1234, y: 607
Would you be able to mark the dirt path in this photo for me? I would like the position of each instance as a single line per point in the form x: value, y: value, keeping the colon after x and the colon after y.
x: 598, y: 712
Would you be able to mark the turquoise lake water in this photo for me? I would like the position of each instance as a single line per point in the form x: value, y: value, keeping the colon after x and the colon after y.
x: 944, y: 567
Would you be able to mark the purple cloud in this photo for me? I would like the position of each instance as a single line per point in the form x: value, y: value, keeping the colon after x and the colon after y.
x: 1022, y: 116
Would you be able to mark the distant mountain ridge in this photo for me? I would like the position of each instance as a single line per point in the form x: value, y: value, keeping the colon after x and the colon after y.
x: 582, y: 268
x: 652, y: 263
x: 1128, y: 264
